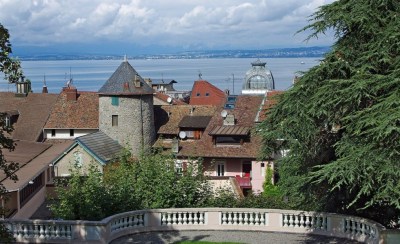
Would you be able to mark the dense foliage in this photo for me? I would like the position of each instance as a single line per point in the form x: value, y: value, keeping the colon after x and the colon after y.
x: 149, y: 183
x: 10, y: 68
x: 341, y: 120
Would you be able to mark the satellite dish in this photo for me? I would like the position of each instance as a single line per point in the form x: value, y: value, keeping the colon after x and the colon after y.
x: 169, y: 99
x: 224, y: 113
x: 182, y: 135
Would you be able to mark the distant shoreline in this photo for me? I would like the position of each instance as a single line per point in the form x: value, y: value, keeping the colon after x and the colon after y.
x: 308, y: 52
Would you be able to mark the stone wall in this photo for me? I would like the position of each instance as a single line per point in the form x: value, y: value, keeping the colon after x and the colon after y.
x: 135, y: 121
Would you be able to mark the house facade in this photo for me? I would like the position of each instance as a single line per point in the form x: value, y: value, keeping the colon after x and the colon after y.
x: 74, y: 114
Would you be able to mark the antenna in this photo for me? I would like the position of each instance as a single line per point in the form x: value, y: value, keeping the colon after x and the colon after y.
x: 125, y: 58
x: 224, y: 113
x: 200, y: 75
x: 169, y: 99
x: 182, y: 135
x: 44, y: 80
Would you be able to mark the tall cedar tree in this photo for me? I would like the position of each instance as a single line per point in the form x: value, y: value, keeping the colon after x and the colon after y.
x: 341, y: 120
x: 12, y: 70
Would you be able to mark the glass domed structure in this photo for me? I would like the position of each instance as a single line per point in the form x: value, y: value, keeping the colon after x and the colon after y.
x: 258, y: 79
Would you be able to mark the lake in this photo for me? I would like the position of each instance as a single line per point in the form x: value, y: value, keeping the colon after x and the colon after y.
x: 225, y: 73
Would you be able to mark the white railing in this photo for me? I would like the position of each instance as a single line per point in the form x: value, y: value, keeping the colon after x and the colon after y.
x: 113, y: 227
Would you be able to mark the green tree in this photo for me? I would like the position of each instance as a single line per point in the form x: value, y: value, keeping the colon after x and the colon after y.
x: 341, y: 120
x: 131, y: 184
x: 11, y: 68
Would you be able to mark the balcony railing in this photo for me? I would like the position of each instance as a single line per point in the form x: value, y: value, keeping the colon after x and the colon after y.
x: 244, y: 182
x: 113, y: 227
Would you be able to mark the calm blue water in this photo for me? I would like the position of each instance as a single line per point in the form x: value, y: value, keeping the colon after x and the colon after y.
x: 90, y: 75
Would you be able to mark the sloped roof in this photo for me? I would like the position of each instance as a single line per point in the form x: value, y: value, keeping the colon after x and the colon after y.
x: 33, y: 158
x: 230, y: 130
x: 34, y: 110
x: 270, y: 99
x: 167, y: 118
x: 164, y: 98
x: 205, y: 93
x: 100, y: 145
x: 245, y: 111
x: 82, y: 113
x: 122, y: 82
x: 192, y: 121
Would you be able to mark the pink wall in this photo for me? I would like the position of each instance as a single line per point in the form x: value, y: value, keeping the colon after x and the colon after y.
x: 233, y: 167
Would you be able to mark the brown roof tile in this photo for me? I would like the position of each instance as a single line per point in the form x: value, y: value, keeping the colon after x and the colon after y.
x: 164, y: 98
x: 34, y: 110
x: 167, y: 117
x: 82, y: 113
x: 34, y: 161
x: 246, y: 108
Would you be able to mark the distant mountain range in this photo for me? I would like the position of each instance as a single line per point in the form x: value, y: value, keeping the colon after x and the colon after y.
x: 266, y: 53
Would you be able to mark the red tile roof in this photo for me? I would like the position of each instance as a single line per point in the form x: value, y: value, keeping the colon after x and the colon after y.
x: 33, y: 110
x: 245, y: 111
x: 204, y: 93
x: 82, y: 113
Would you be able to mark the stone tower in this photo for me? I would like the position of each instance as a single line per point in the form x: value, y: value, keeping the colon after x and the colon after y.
x: 126, y: 111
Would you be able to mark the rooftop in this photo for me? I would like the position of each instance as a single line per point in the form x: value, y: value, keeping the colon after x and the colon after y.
x: 125, y: 81
x: 245, y: 111
x: 33, y: 110
x: 82, y: 113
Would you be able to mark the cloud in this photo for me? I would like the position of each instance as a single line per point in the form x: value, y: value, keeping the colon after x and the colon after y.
x: 195, y: 23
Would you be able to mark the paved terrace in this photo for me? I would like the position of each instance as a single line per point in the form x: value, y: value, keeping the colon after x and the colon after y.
x: 248, y: 237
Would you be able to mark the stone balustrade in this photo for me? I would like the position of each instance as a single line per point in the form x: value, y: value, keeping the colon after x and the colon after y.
x: 113, y: 227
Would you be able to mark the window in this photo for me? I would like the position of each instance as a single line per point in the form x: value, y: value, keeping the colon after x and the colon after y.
x: 53, y: 133
x: 78, y: 159
x: 115, y: 101
x: 198, y: 94
x: 7, y: 121
x: 220, y: 169
x: 207, y: 94
x: 178, y: 167
x: 114, y: 120
x: 71, y: 132
x: 228, y: 140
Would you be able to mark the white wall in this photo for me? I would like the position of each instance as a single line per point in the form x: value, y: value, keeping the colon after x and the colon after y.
x: 64, y: 133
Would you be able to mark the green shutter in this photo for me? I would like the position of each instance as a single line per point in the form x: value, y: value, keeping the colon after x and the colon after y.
x: 115, y: 101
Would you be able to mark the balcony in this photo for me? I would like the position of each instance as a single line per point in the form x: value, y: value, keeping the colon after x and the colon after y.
x: 244, y: 182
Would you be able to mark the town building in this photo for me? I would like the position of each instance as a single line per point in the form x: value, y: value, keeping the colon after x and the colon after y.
x: 126, y: 111
x: 258, y: 79
x: 205, y: 93
x: 74, y: 114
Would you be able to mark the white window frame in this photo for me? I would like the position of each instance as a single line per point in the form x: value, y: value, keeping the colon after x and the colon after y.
x: 218, y: 169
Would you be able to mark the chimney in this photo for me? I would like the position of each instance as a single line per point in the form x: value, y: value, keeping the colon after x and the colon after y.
x: 227, y: 92
x: 44, y: 90
x: 148, y: 81
x: 126, y: 86
x: 22, y: 87
x: 72, y: 93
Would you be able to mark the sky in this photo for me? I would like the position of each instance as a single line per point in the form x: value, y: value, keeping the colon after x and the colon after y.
x: 156, y: 26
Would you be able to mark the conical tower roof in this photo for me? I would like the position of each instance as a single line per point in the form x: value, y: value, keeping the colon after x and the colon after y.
x: 125, y: 81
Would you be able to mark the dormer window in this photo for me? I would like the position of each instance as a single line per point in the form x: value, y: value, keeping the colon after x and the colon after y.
x: 194, y: 126
x: 229, y: 135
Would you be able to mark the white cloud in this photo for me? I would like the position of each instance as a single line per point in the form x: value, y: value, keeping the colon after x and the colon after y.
x: 197, y: 23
